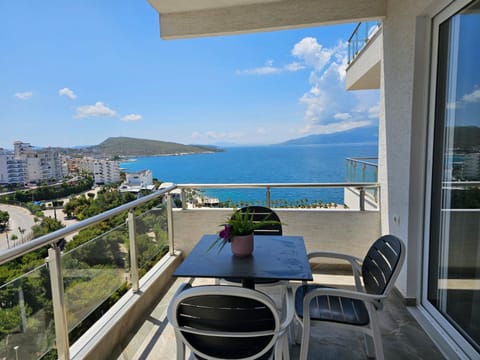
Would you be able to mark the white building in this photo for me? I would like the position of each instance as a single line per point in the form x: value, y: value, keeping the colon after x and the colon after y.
x: 41, y: 164
x: 106, y: 171
x: 12, y: 171
x: 137, y: 181
x: 103, y: 171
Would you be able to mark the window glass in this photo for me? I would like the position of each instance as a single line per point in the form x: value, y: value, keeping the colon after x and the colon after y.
x: 454, y: 253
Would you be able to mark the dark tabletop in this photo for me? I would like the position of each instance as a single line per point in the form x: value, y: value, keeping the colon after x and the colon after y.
x: 273, y: 258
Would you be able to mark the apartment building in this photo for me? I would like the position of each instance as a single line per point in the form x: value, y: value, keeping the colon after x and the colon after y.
x: 104, y: 171
x: 12, y: 170
x: 27, y: 164
x: 41, y: 164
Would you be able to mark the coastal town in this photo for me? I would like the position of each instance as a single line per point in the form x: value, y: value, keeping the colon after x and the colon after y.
x: 27, y: 168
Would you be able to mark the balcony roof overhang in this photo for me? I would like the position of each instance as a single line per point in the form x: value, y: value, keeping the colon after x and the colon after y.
x: 187, y: 19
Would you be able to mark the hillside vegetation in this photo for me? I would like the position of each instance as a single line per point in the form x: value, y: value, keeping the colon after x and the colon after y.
x: 127, y: 146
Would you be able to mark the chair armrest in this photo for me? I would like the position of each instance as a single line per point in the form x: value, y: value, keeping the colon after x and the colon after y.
x: 355, y: 263
x: 375, y: 300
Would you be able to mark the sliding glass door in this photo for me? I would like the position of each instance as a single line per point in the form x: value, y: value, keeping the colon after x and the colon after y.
x: 453, y: 254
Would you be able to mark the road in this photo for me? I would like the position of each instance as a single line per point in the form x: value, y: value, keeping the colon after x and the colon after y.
x: 19, y: 218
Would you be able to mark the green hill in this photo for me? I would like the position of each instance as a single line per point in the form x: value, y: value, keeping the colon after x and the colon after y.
x: 126, y: 146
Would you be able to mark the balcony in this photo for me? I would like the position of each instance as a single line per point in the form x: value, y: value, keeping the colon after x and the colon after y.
x: 365, y: 49
x: 75, y: 284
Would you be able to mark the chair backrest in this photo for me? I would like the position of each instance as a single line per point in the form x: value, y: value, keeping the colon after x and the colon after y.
x: 225, y: 322
x: 382, y: 264
x: 261, y: 213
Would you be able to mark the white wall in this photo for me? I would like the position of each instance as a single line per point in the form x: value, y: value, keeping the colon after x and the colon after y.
x: 346, y: 231
x: 399, y: 141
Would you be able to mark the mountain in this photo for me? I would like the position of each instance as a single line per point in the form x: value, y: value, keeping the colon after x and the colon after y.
x: 126, y: 146
x: 368, y: 134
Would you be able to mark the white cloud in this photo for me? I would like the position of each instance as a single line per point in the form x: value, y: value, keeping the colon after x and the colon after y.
x: 132, y: 117
x: 312, y: 53
x: 342, y: 116
x: 474, y: 96
x: 334, y: 127
x: 67, y: 92
x: 223, y: 135
x: 196, y: 135
x: 23, y: 95
x: 97, y: 110
x: 264, y: 70
x: 329, y: 107
x: 294, y: 66
x: 373, y: 111
x: 216, y: 135
x: 269, y: 69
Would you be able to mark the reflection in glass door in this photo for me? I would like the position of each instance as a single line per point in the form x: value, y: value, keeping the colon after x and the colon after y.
x: 454, y: 244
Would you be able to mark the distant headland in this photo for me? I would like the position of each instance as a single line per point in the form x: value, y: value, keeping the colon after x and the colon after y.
x: 130, y: 147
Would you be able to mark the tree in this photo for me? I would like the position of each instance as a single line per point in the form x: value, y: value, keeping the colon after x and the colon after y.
x: 47, y: 225
x: 4, y: 218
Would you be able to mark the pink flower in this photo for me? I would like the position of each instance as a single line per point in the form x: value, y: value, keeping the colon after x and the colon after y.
x: 225, y: 233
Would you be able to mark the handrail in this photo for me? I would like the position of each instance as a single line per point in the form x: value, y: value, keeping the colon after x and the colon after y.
x: 278, y: 185
x: 361, y: 160
x: 356, y: 42
x: 361, y: 186
x: 52, y: 237
x: 354, y: 32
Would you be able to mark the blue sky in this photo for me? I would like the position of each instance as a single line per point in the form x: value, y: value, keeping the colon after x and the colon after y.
x: 76, y: 73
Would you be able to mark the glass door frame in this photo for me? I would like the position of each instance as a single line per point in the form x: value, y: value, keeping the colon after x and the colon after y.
x: 451, y: 335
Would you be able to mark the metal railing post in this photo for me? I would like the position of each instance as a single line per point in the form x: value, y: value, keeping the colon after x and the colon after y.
x: 134, y: 278
x: 366, y: 33
x: 184, y: 199
x: 171, y: 244
x: 362, y: 199
x: 59, y: 312
x: 267, y: 194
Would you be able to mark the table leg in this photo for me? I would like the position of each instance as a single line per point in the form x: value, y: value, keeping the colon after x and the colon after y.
x: 248, y: 283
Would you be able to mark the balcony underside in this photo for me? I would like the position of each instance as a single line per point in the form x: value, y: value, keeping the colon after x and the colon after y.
x: 183, y: 19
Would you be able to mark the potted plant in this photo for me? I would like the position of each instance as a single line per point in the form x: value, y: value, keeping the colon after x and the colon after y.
x: 238, y: 230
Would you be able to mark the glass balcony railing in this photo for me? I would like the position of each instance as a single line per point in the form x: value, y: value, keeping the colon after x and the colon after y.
x: 26, y: 316
x: 363, y: 169
x: 362, y: 34
x: 53, y: 304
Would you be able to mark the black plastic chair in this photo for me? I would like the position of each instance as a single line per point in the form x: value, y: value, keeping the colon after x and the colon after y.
x: 228, y: 322
x: 316, y: 304
x: 261, y: 213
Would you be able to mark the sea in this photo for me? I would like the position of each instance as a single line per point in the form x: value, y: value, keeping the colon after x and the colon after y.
x: 325, y: 163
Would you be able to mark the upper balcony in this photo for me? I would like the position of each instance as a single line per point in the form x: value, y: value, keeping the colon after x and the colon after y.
x: 365, y: 49
x: 58, y: 303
